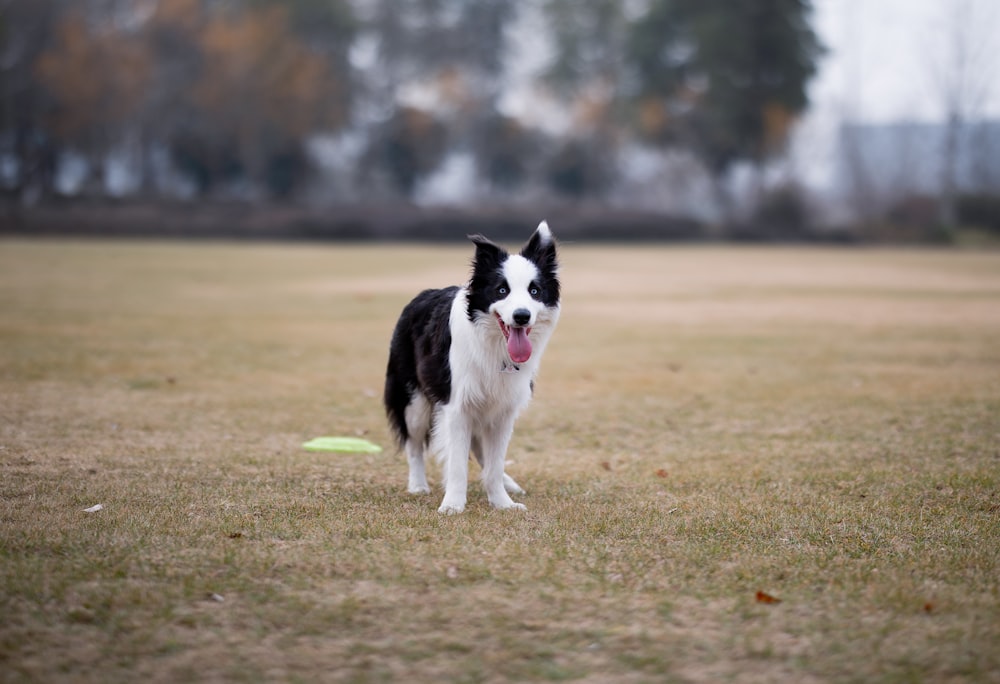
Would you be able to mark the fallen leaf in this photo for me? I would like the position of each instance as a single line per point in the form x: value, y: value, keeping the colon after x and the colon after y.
x: 94, y: 508
x: 235, y: 535
x: 661, y: 473
x: 212, y: 596
x: 763, y: 597
x: 929, y: 607
x: 606, y: 465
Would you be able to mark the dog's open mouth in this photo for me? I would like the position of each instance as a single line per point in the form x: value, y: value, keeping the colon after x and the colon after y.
x: 518, y: 344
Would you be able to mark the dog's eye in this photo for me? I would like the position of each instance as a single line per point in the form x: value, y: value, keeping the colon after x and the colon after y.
x: 502, y: 290
x: 534, y: 291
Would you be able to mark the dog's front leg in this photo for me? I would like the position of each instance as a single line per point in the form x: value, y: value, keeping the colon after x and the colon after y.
x: 456, y: 440
x: 509, y: 483
x: 493, y: 445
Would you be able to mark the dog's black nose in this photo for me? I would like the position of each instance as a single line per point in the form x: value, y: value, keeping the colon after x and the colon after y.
x: 522, y: 317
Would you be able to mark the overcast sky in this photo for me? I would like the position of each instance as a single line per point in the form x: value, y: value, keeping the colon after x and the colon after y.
x: 886, y: 57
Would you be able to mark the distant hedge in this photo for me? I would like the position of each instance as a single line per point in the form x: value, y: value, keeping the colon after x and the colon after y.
x: 981, y: 211
x: 782, y: 218
x: 346, y: 223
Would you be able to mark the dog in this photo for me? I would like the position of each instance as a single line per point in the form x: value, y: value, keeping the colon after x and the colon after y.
x: 462, y: 366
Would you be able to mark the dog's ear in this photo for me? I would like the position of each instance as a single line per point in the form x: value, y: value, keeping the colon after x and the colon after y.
x: 489, y: 255
x: 483, y: 241
x: 541, y: 247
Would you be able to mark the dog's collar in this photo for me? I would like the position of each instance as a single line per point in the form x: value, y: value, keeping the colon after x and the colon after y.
x: 509, y: 367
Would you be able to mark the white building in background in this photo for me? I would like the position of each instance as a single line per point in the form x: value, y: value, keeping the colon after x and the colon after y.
x: 892, y: 160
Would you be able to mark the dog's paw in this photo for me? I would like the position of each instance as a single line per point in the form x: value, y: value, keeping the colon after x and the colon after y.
x: 510, y: 506
x: 418, y: 489
x: 451, y: 508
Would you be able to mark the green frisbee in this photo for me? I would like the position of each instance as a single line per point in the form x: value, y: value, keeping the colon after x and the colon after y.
x: 354, y: 445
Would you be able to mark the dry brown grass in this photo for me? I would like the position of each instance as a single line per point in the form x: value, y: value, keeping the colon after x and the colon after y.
x: 823, y: 426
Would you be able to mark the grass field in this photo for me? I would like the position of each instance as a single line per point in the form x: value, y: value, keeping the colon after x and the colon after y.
x: 821, y: 426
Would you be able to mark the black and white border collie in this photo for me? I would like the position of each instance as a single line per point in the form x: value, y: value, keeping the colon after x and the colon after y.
x: 462, y: 365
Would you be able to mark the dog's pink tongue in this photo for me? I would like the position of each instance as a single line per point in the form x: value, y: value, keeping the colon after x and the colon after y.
x: 518, y: 345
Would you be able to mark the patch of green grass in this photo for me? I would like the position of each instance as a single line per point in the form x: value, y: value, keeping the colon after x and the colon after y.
x: 818, y: 425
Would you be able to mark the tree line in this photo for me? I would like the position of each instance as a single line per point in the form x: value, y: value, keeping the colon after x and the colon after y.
x: 231, y: 96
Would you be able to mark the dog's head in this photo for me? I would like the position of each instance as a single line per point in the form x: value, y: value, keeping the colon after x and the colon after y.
x: 519, y: 291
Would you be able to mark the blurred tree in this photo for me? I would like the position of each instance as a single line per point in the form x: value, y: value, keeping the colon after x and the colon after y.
x: 207, y: 160
x: 417, y: 41
x: 25, y: 31
x: 588, y: 71
x: 287, y: 170
x: 449, y: 52
x: 97, y: 83
x: 409, y: 146
x: 262, y: 89
x: 503, y: 150
x: 726, y: 78
x: 588, y: 39
x: 326, y: 28
x: 232, y: 90
x: 579, y: 168
x: 962, y: 74
x: 326, y: 25
x: 171, y: 35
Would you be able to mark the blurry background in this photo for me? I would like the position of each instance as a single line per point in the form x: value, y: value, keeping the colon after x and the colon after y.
x: 695, y: 119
